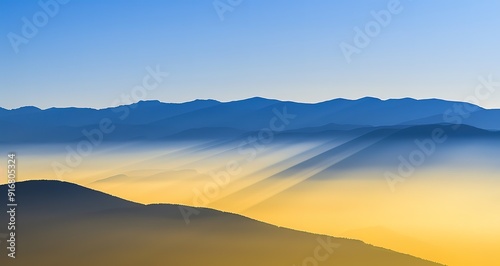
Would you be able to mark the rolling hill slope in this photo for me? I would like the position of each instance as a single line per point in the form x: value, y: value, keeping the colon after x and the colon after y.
x: 65, y: 224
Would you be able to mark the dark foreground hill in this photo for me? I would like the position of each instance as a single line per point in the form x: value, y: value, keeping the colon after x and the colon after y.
x: 64, y: 224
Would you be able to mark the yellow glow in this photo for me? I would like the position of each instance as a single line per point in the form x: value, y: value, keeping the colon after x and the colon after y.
x: 440, y: 215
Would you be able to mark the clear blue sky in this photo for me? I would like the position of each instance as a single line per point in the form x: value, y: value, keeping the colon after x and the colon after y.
x: 93, y: 51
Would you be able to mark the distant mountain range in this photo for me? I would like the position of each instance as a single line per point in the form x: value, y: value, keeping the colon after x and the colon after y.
x: 210, y: 119
x: 61, y: 223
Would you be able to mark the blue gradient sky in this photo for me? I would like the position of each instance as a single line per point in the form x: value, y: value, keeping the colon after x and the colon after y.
x: 93, y: 51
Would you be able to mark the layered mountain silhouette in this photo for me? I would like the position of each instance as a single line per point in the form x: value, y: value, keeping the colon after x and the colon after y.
x: 62, y: 223
x: 164, y: 152
x: 210, y: 119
